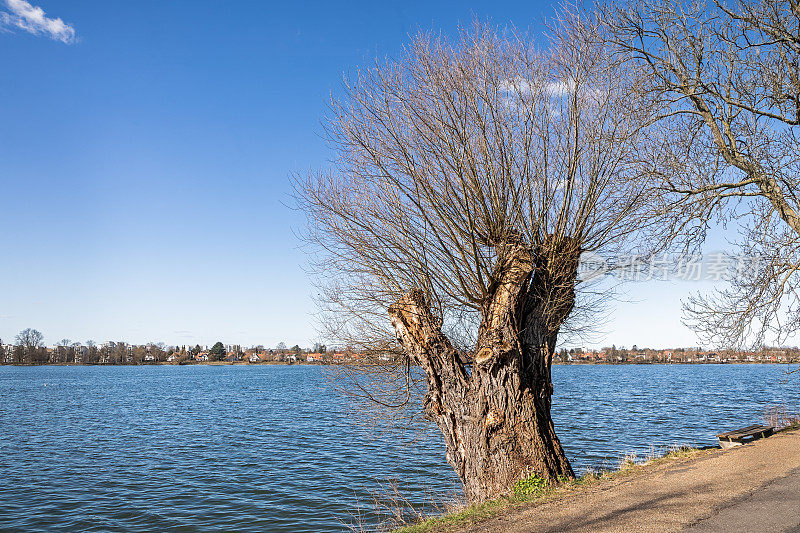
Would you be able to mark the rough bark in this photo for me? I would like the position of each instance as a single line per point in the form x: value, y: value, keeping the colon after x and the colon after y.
x: 496, y: 419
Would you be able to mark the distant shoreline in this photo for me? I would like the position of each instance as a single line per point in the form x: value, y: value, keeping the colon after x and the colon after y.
x: 315, y: 363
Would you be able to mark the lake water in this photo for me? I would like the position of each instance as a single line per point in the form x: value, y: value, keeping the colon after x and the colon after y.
x: 272, y: 448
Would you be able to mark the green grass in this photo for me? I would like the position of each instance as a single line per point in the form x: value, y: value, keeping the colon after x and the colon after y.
x: 530, y: 486
x: 537, y: 490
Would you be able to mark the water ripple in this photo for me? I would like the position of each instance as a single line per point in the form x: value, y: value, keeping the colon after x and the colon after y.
x: 272, y: 448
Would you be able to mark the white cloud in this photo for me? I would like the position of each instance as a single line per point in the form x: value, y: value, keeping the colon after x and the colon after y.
x: 518, y: 85
x: 560, y: 89
x: 32, y: 19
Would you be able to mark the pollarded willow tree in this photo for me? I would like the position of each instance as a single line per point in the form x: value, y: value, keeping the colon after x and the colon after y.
x: 728, y: 75
x: 468, y: 178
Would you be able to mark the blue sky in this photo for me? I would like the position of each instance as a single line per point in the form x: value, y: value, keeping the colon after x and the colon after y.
x: 145, y: 154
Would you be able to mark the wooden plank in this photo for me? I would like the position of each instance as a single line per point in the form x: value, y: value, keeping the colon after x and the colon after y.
x: 754, y: 431
x: 749, y: 431
x: 737, y: 431
x: 742, y: 436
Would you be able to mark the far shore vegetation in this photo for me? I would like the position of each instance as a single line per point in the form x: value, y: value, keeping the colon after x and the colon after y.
x: 28, y: 348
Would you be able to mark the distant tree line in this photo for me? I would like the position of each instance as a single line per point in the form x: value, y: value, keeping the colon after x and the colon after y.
x: 28, y: 348
x: 614, y: 355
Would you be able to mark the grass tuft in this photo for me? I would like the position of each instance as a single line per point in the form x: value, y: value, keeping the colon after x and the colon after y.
x: 530, y: 486
x: 780, y: 417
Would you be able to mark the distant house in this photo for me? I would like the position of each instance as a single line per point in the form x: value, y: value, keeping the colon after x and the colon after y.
x: 149, y: 358
x: 254, y: 358
x: 233, y: 356
x: 202, y: 357
x: 7, y: 353
x: 172, y: 358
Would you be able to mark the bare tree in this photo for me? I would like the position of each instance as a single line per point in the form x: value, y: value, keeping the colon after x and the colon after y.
x: 65, y: 353
x: 468, y: 178
x: 92, y: 352
x: 31, y: 342
x: 728, y: 75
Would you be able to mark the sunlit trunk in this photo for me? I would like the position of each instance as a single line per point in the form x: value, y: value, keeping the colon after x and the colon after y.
x: 496, y: 419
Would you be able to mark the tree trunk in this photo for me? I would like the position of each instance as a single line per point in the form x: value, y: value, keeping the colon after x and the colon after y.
x: 496, y: 420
